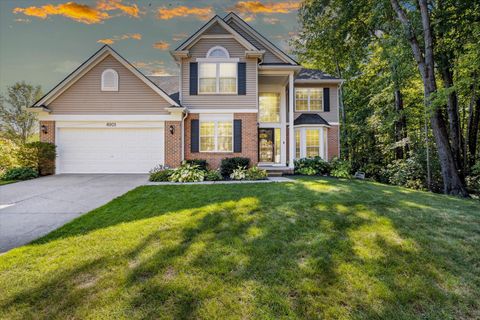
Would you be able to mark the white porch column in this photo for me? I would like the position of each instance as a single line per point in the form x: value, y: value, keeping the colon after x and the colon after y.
x: 291, y: 133
x: 322, y: 145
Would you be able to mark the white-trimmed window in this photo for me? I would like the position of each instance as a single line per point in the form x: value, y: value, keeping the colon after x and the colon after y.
x: 269, y: 107
x: 311, y: 142
x: 309, y: 99
x: 109, y: 80
x: 216, y: 133
x: 217, y: 73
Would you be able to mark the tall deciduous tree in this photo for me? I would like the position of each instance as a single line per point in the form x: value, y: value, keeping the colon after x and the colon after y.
x: 16, y: 122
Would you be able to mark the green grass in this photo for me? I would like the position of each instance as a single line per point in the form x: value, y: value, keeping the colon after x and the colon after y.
x: 314, y: 248
x: 3, y: 182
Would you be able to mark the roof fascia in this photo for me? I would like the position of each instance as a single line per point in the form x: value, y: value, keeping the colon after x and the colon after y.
x: 255, y: 34
x: 216, y: 19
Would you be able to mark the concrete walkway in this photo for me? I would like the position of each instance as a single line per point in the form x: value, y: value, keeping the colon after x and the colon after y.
x: 31, y: 209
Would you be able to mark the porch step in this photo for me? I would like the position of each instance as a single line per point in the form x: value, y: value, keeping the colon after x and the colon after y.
x: 276, y: 171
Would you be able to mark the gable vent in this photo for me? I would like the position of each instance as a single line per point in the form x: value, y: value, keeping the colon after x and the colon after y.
x: 109, y: 80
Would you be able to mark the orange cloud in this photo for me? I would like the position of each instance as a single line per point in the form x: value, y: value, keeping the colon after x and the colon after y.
x: 256, y: 7
x: 183, y: 11
x: 135, y: 36
x: 80, y: 12
x: 161, y: 45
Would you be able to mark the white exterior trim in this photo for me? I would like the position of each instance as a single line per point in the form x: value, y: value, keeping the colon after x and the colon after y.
x: 311, y: 126
x: 105, y: 117
x: 223, y: 110
x: 115, y: 85
x: 209, y: 52
x: 336, y: 81
x: 197, y: 35
x: 92, y: 62
x: 110, y: 125
x: 291, y: 132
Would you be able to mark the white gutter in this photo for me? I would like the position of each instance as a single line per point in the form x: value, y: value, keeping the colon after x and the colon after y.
x: 183, y: 134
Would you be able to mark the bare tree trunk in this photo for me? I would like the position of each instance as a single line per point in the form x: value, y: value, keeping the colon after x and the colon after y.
x: 453, y: 115
x: 473, y: 126
x: 452, y: 184
x: 344, y: 130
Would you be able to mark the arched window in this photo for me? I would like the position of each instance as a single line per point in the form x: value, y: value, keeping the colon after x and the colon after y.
x: 218, y: 52
x: 109, y: 80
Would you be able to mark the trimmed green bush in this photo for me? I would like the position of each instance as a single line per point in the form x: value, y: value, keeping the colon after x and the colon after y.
x: 201, y: 163
x: 229, y: 164
x: 254, y: 173
x: 39, y: 155
x: 315, y: 166
x: 161, y: 175
x: 21, y: 173
x: 213, y: 175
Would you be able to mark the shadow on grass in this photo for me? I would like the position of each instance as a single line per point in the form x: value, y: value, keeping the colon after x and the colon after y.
x: 315, y: 248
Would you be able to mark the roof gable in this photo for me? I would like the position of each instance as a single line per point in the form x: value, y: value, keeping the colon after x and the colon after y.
x: 255, y: 36
x: 216, y: 24
x: 91, y: 62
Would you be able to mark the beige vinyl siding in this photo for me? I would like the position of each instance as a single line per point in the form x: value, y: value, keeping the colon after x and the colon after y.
x: 209, y: 101
x: 216, y: 29
x: 85, y: 95
x: 332, y: 115
x: 268, y: 57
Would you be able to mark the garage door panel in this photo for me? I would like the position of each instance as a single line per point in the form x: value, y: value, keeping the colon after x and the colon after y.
x: 109, y: 150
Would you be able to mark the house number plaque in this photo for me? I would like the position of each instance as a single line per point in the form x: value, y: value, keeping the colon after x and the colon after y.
x: 111, y: 124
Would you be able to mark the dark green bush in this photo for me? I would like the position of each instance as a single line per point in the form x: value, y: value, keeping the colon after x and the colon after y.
x: 407, y: 173
x: 161, y: 175
x: 316, y: 164
x: 340, y: 168
x: 229, y: 164
x: 21, y: 173
x: 39, y: 155
x: 202, y: 164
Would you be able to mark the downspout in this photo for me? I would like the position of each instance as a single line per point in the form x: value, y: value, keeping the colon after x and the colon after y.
x: 183, y: 134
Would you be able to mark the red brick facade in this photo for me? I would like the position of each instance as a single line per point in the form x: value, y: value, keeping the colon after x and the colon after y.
x: 333, y: 142
x: 49, y: 136
x: 249, y: 141
x: 173, y: 144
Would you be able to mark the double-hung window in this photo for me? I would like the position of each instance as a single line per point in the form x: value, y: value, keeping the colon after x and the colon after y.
x: 269, y: 107
x: 217, y: 77
x: 311, y: 142
x: 216, y: 133
x: 309, y: 99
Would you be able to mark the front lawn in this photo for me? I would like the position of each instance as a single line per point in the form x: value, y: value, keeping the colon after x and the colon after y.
x: 314, y: 248
x: 3, y: 182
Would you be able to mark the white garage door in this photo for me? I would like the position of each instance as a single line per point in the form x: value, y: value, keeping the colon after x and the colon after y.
x: 109, y: 150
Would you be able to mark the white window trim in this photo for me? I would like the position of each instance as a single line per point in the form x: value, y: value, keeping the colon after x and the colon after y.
x: 115, y: 88
x: 323, y: 141
x: 227, y: 54
x: 215, y: 118
x: 217, y: 75
x: 308, y: 100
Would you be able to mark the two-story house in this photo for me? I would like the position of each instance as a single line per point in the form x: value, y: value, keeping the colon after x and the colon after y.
x: 237, y: 94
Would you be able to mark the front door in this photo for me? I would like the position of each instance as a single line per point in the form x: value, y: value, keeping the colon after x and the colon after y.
x: 266, y: 145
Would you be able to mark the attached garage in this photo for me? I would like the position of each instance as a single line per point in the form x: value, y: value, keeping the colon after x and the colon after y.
x: 109, y: 147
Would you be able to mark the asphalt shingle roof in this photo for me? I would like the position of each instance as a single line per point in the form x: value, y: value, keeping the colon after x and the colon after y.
x: 310, y: 118
x: 169, y: 84
x: 314, y: 74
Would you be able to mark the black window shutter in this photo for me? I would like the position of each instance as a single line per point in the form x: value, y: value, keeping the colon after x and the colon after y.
x: 194, y: 135
x: 326, y: 99
x: 242, y: 78
x: 193, y: 78
x: 237, y: 135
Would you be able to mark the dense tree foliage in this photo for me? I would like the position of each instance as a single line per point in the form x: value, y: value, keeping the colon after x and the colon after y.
x: 411, y: 93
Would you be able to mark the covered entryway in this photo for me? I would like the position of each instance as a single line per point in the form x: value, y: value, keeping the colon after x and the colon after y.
x: 115, y: 148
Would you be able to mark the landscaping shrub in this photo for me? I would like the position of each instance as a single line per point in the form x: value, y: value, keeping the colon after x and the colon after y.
x: 240, y: 173
x: 340, y: 168
x: 315, y: 166
x: 20, y: 173
x: 213, y: 175
x: 39, y: 155
x: 187, y: 173
x: 202, y: 164
x: 473, y: 179
x: 8, y: 155
x: 161, y: 175
x: 408, y: 173
x: 254, y: 173
x: 229, y: 164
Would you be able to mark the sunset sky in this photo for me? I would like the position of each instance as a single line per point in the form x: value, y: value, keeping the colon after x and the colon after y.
x: 43, y: 41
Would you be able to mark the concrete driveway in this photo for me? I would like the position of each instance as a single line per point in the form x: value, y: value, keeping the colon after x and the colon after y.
x: 31, y: 209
